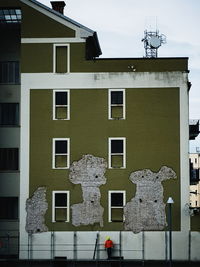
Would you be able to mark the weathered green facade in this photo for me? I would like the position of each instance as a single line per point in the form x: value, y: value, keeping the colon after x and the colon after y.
x: 151, y: 129
x: 41, y: 55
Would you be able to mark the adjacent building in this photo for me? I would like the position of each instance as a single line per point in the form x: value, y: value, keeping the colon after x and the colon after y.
x: 194, y: 189
x: 90, y: 146
x: 10, y: 84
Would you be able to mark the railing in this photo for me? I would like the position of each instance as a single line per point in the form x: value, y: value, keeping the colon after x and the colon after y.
x: 9, y: 243
x: 9, y: 72
x: 72, y: 246
x: 96, y: 245
x: 53, y: 248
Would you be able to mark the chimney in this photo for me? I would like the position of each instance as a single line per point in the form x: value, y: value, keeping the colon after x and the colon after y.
x: 58, y: 6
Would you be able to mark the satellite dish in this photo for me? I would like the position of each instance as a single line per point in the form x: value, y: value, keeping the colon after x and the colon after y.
x: 154, y: 41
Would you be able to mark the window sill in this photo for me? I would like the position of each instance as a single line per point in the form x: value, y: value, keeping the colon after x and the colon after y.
x: 116, y: 168
x: 60, y: 222
x: 65, y: 168
x: 116, y: 119
x: 116, y: 221
x: 61, y: 119
x: 61, y: 73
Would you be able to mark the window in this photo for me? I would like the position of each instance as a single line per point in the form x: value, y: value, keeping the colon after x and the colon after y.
x: 10, y: 16
x: 9, y: 159
x: 117, y: 200
x: 9, y: 208
x: 61, y: 58
x: 9, y: 72
x: 116, y: 151
x: 61, y: 101
x: 9, y: 114
x: 116, y: 106
x: 60, y: 206
x: 61, y: 152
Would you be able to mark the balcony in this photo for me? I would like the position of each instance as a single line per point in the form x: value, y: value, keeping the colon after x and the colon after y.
x: 194, y: 175
x: 193, y: 129
x: 9, y: 72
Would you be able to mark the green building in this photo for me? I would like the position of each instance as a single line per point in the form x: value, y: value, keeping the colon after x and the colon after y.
x: 99, y: 146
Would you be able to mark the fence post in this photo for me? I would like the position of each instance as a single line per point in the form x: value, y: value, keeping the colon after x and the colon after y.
x: 166, y: 246
x: 96, y: 248
x: 120, y: 244
x: 52, y: 245
x: 75, y: 246
x: 120, y: 247
x: 30, y: 246
x: 143, y: 240
x: 189, y: 246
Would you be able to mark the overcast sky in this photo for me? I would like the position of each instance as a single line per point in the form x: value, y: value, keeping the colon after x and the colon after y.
x: 120, y: 27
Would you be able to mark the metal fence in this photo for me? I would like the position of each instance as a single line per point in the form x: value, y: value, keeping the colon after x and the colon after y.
x: 75, y: 249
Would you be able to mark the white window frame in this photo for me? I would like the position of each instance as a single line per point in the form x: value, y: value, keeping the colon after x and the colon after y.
x: 117, y: 207
x: 54, y: 207
x: 110, y: 154
x: 54, y: 154
x: 68, y: 103
x: 54, y: 57
x: 110, y: 104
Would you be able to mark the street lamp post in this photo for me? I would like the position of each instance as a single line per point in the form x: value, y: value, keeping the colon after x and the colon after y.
x: 170, y: 201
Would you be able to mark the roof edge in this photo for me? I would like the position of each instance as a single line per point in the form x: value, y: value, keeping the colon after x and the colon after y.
x: 59, y: 15
x: 142, y: 58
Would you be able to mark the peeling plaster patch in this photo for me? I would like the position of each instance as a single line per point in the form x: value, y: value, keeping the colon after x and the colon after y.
x: 36, y: 208
x: 146, y: 211
x: 89, y: 172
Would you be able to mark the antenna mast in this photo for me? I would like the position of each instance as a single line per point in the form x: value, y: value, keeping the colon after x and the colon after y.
x: 152, y: 41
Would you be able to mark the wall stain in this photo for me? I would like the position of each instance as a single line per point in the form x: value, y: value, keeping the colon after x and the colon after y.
x: 89, y: 172
x: 146, y: 211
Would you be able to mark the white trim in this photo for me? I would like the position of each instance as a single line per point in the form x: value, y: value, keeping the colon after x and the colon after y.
x: 24, y: 160
x: 110, y: 105
x: 53, y: 204
x: 109, y: 201
x: 86, y: 80
x: 184, y: 156
x: 110, y: 154
x: 68, y: 103
x: 54, y: 57
x: 67, y: 154
x: 51, y: 40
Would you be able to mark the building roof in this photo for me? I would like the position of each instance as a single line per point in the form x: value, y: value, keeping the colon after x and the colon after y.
x: 62, y: 16
x: 92, y: 39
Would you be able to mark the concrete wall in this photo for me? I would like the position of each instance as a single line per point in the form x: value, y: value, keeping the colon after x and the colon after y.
x: 151, y: 130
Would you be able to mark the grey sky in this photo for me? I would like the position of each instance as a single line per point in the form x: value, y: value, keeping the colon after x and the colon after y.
x: 120, y: 27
